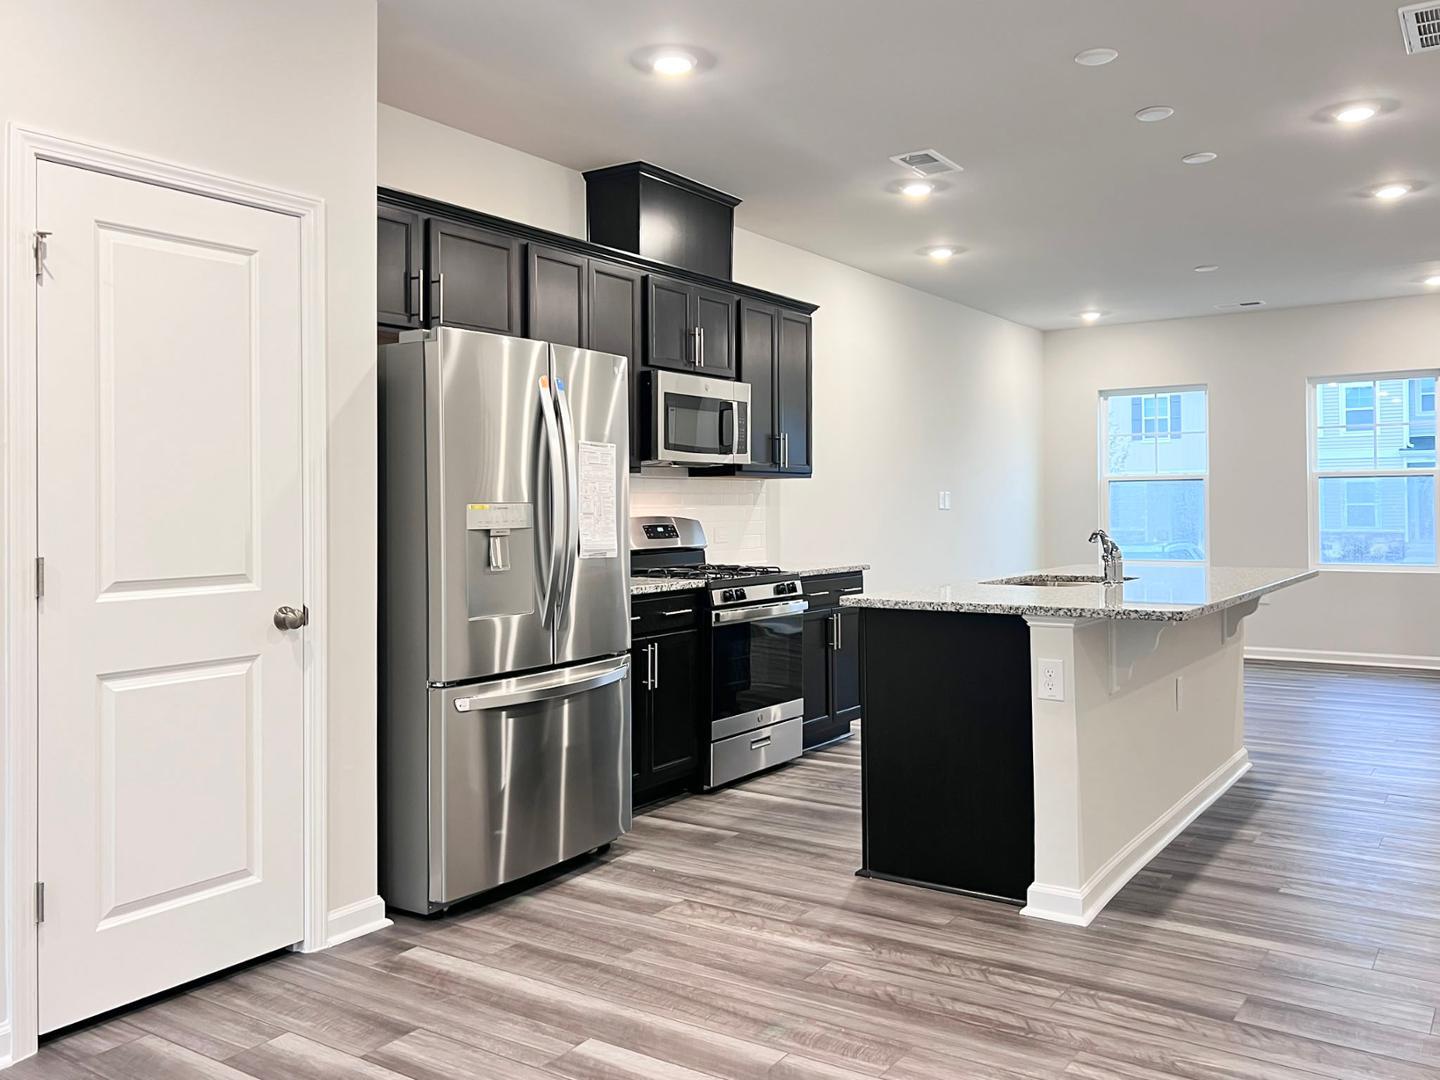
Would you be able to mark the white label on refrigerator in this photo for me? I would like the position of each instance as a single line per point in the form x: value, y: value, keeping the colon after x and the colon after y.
x: 599, y: 534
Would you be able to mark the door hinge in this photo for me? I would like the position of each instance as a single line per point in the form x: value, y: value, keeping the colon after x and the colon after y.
x: 40, y: 577
x: 40, y: 245
x: 39, y: 902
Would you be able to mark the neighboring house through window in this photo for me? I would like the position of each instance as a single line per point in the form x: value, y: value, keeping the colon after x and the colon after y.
x: 1154, y: 461
x: 1373, y: 471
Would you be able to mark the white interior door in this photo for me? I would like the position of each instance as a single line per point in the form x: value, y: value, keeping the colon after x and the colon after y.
x: 170, y: 705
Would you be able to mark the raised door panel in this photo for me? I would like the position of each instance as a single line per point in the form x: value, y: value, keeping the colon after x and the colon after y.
x: 617, y: 311
x: 398, y: 275
x: 640, y: 716
x: 815, y: 666
x: 759, y: 330
x: 170, y: 517
x: 713, y: 314
x: 474, y: 278
x: 558, y: 308
x: 845, y: 667
x: 667, y: 318
x: 793, y: 390
x: 676, y: 704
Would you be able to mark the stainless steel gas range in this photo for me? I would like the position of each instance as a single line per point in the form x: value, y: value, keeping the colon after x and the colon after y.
x: 757, y: 702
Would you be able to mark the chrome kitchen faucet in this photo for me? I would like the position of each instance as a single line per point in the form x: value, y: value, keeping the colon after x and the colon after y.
x: 1111, y: 557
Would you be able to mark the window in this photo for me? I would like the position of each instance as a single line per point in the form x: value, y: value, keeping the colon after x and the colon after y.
x: 1154, y: 461
x: 1373, y: 471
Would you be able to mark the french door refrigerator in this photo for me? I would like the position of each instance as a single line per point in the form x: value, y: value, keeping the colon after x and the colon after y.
x: 504, y: 611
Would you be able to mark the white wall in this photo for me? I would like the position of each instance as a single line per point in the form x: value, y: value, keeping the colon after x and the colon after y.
x: 281, y: 94
x: 962, y: 418
x: 1256, y: 366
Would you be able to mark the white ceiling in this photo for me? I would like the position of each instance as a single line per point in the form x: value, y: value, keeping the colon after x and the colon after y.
x: 1066, y: 201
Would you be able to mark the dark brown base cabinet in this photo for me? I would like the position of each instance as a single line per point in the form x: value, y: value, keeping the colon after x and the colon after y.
x: 831, y: 659
x: 439, y: 263
x: 667, y: 686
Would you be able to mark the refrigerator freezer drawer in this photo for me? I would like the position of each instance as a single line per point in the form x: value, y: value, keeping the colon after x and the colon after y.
x: 525, y: 773
x: 751, y: 751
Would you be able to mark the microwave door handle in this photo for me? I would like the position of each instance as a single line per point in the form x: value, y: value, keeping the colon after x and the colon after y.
x: 727, y: 428
x: 572, y: 502
x: 557, y: 510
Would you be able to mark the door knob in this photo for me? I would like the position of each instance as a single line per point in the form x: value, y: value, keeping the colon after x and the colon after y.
x: 289, y: 618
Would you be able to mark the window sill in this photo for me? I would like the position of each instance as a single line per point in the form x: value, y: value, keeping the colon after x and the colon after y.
x: 1373, y: 568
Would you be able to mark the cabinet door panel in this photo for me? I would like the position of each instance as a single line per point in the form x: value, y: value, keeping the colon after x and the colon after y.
x: 793, y: 388
x: 759, y: 329
x: 474, y: 278
x: 815, y: 665
x: 675, y: 708
x: 845, y: 668
x: 397, y: 277
x: 639, y: 715
x: 667, y: 315
x: 616, y: 320
x: 713, y: 313
x: 558, y: 306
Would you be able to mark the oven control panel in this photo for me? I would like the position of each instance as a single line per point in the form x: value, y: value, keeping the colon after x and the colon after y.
x: 726, y: 595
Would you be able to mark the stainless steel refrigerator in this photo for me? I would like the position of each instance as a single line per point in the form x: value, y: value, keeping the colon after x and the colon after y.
x: 504, y: 611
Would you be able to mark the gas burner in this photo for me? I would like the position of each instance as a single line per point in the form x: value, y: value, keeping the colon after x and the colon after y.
x: 692, y: 573
x: 726, y: 572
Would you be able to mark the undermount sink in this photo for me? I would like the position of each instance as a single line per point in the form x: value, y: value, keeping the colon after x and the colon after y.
x: 1049, y: 582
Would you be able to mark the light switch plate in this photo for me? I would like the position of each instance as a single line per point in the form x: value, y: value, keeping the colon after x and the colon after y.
x: 1050, y: 680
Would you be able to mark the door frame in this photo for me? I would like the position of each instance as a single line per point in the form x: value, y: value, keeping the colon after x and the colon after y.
x: 19, y: 611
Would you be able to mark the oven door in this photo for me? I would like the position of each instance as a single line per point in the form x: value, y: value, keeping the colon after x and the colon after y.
x: 698, y: 421
x: 756, y: 657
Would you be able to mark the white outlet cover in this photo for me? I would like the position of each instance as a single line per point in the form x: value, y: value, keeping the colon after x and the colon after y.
x: 1050, y: 680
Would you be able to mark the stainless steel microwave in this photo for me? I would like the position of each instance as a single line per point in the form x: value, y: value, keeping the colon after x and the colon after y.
x: 692, y: 420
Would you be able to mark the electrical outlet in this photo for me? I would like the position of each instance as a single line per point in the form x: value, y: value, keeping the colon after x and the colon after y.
x: 944, y: 501
x: 1050, y: 683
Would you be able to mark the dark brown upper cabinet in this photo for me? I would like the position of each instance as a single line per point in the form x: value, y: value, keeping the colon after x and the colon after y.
x: 775, y: 359
x: 663, y: 216
x: 399, y: 271
x: 475, y: 278
x: 617, y: 308
x: 690, y: 327
x: 558, y: 296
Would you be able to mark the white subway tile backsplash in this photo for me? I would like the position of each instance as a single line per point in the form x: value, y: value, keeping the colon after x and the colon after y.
x: 732, y: 511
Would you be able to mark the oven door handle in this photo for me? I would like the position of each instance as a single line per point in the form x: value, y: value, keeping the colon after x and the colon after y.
x: 763, y: 611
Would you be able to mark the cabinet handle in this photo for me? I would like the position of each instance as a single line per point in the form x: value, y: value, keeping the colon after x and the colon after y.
x: 634, y: 618
x: 695, y: 346
x: 785, y: 450
x: 441, y: 283
x: 655, y: 678
x: 700, y: 331
x: 764, y: 740
x: 858, y: 588
x: 671, y: 614
x: 814, y: 595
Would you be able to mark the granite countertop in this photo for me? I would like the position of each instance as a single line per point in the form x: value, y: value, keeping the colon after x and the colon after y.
x: 1171, y: 593
x: 644, y: 586
x: 848, y: 568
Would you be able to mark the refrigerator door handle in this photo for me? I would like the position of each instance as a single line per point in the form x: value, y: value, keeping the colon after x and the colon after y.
x: 548, y: 598
x: 551, y: 684
x: 572, y: 503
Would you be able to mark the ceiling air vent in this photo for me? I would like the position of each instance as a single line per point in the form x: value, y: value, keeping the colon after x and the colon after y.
x: 926, y: 163
x: 1421, y: 24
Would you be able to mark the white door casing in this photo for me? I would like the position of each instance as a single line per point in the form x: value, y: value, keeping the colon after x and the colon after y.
x: 170, y: 517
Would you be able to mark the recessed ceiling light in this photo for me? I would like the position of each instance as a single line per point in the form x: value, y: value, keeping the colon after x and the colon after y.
x: 1095, y: 57
x: 1207, y: 268
x: 672, y: 63
x: 941, y: 253
x: 1090, y: 316
x: 1433, y: 281
x: 1204, y: 157
x: 916, y: 189
x: 1151, y: 113
x: 1391, y: 192
x: 1355, y: 114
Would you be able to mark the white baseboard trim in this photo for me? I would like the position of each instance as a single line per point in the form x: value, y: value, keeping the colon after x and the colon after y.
x: 355, y: 920
x: 1078, y: 907
x: 1343, y: 659
x: 5, y: 1061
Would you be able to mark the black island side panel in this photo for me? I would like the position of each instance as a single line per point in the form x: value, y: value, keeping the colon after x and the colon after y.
x: 948, y: 768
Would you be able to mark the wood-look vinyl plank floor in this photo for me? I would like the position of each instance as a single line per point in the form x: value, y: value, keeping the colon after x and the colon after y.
x: 1291, y: 933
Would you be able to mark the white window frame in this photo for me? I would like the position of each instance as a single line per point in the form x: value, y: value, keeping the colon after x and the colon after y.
x: 1315, y: 475
x: 1103, y: 464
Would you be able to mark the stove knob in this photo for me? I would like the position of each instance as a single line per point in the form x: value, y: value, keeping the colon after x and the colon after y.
x: 728, y: 594
x: 739, y: 594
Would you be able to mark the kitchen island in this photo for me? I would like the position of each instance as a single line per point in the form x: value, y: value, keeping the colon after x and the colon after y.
x: 1038, y: 739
